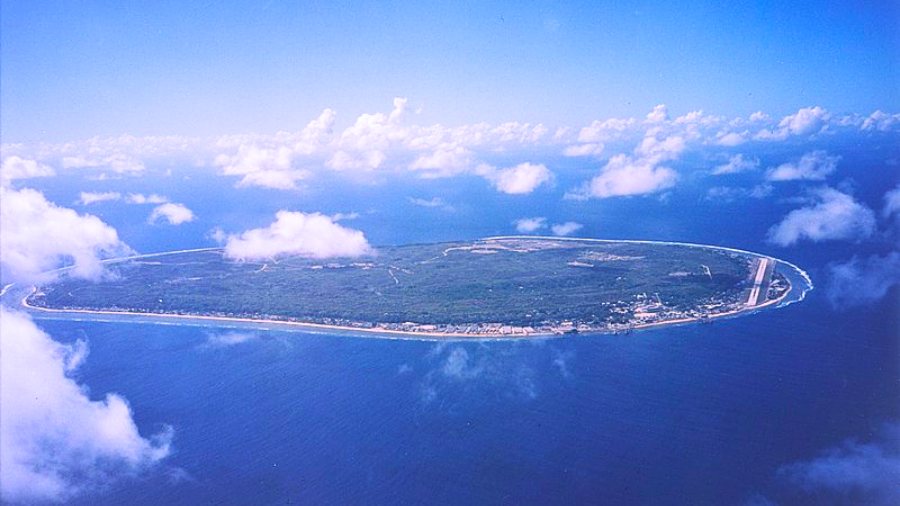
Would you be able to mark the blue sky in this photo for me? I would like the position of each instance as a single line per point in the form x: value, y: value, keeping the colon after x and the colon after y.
x: 72, y: 70
x: 332, y: 129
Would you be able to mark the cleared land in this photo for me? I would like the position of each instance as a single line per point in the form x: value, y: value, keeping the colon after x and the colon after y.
x: 491, y: 287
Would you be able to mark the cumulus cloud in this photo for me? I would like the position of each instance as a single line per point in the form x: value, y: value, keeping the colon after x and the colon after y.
x: 624, y: 175
x: 813, y: 166
x: 174, y: 214
x: 862, y: 280
x: 736, y: 163
x: 39, y: 236
x: 643, y: 171
x: 56, y: 442
x: 853, y: 472
x: 259, y: 166
x: 655, y: 148
x: 311, y: 235
x: 88, y: 198
x: 15, y: 167
x: 521, y: 179
x: 833, y: 216
x: 805, y: 122
x: 364, y: 145
x: 567, y: 228
x: 529, y: 225
x: 659, y: 114
x: 388, y: 142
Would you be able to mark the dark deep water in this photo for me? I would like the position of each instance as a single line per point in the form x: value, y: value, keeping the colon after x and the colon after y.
x: 701, y: 414
x: 696, y: 414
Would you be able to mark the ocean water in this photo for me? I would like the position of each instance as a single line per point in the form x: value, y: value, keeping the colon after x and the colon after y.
x: 693, y: 414
x: 699, y: 414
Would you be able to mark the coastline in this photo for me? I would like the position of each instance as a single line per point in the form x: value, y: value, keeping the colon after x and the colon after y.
x: 429, y: 335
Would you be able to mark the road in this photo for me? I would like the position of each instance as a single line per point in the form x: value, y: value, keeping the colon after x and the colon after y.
x: 758, y: 281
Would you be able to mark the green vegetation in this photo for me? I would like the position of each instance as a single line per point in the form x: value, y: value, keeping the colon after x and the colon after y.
x: 539, y: 284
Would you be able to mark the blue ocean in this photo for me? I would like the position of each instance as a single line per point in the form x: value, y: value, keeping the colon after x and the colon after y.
x: 693, y: 414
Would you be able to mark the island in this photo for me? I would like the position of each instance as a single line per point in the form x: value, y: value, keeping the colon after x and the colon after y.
x: 497, y: 287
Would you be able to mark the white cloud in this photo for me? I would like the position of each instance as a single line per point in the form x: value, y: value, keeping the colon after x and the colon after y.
x: 55, y: 442
x: 731, y: 139
x: 88, y: 198
x: 261, y: 166
x: 624, y: 175
x: 227, y: 339
x: 16, y: 167
x: 567, y: 228
x: 591, y: 149
x: 833, y: 216
x: 316, y: 133
x: 813, y: 166
x: 606, y: 130
x: 880, y: 121
x: 459, y: 366
x: 806, y: 121
x: 139, y: 198
x: 364, y: 145
x: 655, y: 149
x: 529, y: 225
x: 311, y: 235
x: 728, y: 194
x: 344, y: 216
x: 736, y: 163
x: 853, y: 472
x: 860, y: 281
x: 274, y: 179
x: 521, y: 179
x: 659, y: 114
x: 119, y: 163
x: 175, y: 214
x: 446, y: 159
x: 39, y: 235
x: 434, y: 202
x: 891, y: 202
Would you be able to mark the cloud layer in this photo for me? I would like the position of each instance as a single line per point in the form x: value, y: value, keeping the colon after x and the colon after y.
x: 642, y: 152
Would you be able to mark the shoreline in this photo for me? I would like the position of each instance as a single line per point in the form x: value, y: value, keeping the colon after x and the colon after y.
x: 429, y: 335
